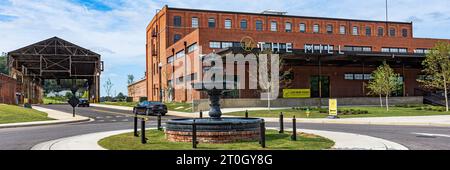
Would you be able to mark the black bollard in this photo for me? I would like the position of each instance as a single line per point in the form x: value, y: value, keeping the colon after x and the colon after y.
x: 294, y: 129
x: 194, y: 135
x: 143, y: 139
x: 281, y: 123
x: 136, y: 126
x: 159, y: 122
x: 201, y: 114
x: 246, y: 114
x: 263, y: 134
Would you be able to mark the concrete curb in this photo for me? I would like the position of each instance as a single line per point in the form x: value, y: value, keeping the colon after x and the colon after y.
x: 343, y: 141
x: 61, y: 119
x: 349, y: 121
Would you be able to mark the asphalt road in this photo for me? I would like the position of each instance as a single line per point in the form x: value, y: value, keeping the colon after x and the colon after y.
x: 413, y: 137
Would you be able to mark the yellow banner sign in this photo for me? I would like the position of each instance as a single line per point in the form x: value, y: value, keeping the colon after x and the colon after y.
x: 296, y: 93
x: 333, y: 107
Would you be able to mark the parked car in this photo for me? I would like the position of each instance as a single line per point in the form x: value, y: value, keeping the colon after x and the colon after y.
x: 83, y: 103
x: 150, y: 108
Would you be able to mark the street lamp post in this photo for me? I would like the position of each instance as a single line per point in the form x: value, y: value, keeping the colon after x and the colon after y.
x: 160, y: 80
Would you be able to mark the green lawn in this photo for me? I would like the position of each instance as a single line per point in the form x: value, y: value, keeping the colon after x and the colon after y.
x: 179, y: 107
x: 372, y: 112
x: 54, y: 101
x: 16, y: 114
x: 274, y: 141
x: 127, y: 104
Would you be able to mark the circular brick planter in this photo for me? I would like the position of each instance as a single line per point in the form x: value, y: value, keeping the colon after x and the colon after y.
x: 225, y: 130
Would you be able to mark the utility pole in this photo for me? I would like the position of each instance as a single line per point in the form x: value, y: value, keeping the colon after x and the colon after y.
x: 387, y: 19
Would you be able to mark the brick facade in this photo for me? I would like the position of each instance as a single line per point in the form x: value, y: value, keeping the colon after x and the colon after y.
x: 8, y: 89
x: 138, y: 90
x: 162, y: 31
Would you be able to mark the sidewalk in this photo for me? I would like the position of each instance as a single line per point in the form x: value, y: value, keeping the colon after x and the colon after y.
x: 438, y: 121
x: 343, y: 141
x: 58, y: 116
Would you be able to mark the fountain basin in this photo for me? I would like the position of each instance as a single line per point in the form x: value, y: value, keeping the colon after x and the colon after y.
x: 213, y: 130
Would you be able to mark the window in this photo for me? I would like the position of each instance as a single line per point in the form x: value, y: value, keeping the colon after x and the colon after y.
x: 359, y: 76
x: 259, y: 25
x: 330, y: 29
x: 302, y: 27
x: 177, y: 21
x: 367, y: 49
x: 392, y: 32
x: 227, y: 44
x: 355, y: 30
x: 316, y: 28
x: 421, y: 51
x: 349, y: 77
x: 273, y: 26
x: 244, y: 24
x: 176, y: 38
x: 180, y: 80
x: 342, y: 29
x: 179, y: 54
x: 394, y: 50
x: 214, y: 44
x: 212, y: 23
x: 358, y: 48
x: 194, y: 22
x: 192, y: 48
x: 380, y: 32
x: 403, y: 50
x: 368, y: 31
x: 228, y: 24
x: 405, y: 32
x: 288, y: 27
x: 368, y: 77
x: 170, y: 60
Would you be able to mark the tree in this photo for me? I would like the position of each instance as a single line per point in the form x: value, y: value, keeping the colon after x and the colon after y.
x: 284, y: 75
x: 121, y: 97
x: 385, y: 81
x: 108, y: 87
x: 375, y: 86
x: 130, y: 79
x: 68, y: 95
x: 437, y: 67
x: 3, y: 65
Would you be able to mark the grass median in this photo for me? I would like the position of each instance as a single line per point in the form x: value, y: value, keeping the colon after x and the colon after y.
x: 274, y: 141
x: 16, y: 114
x: 174, y: 106
x: 351, y: 112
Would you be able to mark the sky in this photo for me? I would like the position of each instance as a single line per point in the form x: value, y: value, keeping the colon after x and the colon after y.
x: 116, y: 28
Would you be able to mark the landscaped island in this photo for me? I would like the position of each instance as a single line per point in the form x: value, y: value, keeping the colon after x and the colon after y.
x: 350, y: 112
x: 274, y: 141
x: 16, y: 114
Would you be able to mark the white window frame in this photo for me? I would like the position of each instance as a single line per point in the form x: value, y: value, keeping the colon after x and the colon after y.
x: 355, y: 30
x: 214, y: 44
x: 342, y: 30
x: 273, y: 26
x: 316, y: 28
x: 302, y: 27
x: 228, y: 24
x: 194, y: 22
x: 288, y: 27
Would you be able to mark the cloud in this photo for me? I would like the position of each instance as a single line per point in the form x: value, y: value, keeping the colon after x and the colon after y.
x: 116, y: 28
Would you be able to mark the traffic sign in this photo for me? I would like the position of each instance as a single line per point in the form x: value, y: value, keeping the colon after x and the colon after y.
x: 74, y: 101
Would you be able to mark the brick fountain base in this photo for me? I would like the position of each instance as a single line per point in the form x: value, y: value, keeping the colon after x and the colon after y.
x: 224, y: 130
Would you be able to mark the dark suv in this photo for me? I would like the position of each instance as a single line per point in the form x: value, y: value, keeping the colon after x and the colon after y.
x: 83, y: 103
x: 150, y: 108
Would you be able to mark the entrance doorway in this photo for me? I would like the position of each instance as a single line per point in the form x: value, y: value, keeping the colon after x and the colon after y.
x: 320, y: 86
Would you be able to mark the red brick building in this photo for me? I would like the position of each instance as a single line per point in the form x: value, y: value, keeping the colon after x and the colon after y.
x: 8, y: 90
x: 332, y: 57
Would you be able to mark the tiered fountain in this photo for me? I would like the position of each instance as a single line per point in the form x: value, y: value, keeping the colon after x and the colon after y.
x: 214, y: 129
